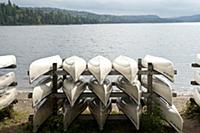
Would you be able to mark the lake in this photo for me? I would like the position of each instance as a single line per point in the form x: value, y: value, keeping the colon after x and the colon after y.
x: 178, y: 42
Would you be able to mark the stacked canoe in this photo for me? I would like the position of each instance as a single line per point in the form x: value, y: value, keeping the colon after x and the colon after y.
x: 76, y: 77
x: 196, y: 82
x: 7, y: 81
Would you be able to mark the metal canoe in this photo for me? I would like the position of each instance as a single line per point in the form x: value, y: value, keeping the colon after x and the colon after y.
x: 127, y: 67
x: 43, y: 89
x: 101, y: 91
x: 72, y: 112
x: 7, y: 61
x: 42, y: 113
x: 170, y: 113
x: 7, y: 97
x: 100, y: 67
x: 75, y: 66
x: 73, y: 89
x: 42, y: 66
x: 132, y: 89
x: 131, y: 109
x: 7, y: 79
x: 161, y: 87
x: 162, y: 65
x: 100, y: 111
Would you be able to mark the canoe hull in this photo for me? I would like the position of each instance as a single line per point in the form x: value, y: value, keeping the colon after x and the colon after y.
x: 7, y: 97
x: 170, y: 114
x: 71, y: 113
x: 130, y: 109
x: 131, y: 89
x: 162, y: 65
x: 7, y: 79
x: 7, y: 61
x: 100, y: 112
x: 127, y: 67
x: 73, y: 89
x: 75, y: 66
x: 101, y: 91
x: 196, y: 94
x: 42, y: 113
x: 42, y: 66
x: 100, y: 67
x: 161, y: 87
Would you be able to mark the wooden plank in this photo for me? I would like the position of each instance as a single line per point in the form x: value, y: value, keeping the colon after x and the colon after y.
x: 195, y: 65
x: 89, y: 94
x: 110, y: 117
x: 194, y: 83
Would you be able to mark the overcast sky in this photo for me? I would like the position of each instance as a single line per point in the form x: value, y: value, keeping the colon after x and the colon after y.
x: 163, y: 8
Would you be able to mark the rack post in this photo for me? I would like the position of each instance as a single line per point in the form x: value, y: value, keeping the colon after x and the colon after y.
x: 54, y: 89
x: 139, y: 69
x: 149, y: 84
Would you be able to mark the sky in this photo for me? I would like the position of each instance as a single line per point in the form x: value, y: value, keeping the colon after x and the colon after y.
x: 163, y: 8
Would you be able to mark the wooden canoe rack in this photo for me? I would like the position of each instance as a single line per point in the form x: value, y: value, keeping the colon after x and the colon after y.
x: 149, y: 71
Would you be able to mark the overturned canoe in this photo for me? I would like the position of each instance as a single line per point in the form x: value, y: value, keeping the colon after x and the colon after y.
x: 196, y: 94
x: 42, y: 113
x: 100, y: 111
x: 7, y: 61
x: 73, y: 89
x: 7, y: 79
x: 130, y: 109
x: 197, y: 77
x: 198, y: 59
x: 75, y: 66
x: 100, y: 67
x: 72, y: 112
x: 101, y: 91
x: 42, y: 90
x: 160, y: 86
x: 7, y: 97
x: 162, y: 65
x: 170, y: 114
x: 42, y: 66
x: 132, y: 89
x: 127, y: 67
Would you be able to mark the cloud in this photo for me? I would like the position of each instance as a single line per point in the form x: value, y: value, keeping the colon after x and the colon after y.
x: 163, y: 8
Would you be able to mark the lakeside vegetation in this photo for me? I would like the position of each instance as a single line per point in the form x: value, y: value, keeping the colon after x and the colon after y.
x: 11, y: 14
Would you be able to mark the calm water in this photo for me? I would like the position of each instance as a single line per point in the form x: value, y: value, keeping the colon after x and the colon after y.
x: 177, y: 42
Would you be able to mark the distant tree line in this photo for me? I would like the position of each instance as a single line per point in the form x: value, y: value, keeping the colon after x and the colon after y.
x: 11, y: 14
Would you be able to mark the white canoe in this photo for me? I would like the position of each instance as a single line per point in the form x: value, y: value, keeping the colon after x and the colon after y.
x: 42, y: 66
x: 197, y: 77
x: 198, y: 59
x: 161, y: 87
x: 75, y: 66
x: 127, y: 67
x: 132, y: 89
x: 7, y: 97
x: 7, y: 79
x: 100, y: 111
x: 73, y: 89
x: 7, y: 61
x: 170, y: 114
x: 71, y: 113
x: 196, y: 94
x: 130, y: 109
x: 100, y: 67
x: 42, y: 113
x: 101, y: 91
x: 162, y: 65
